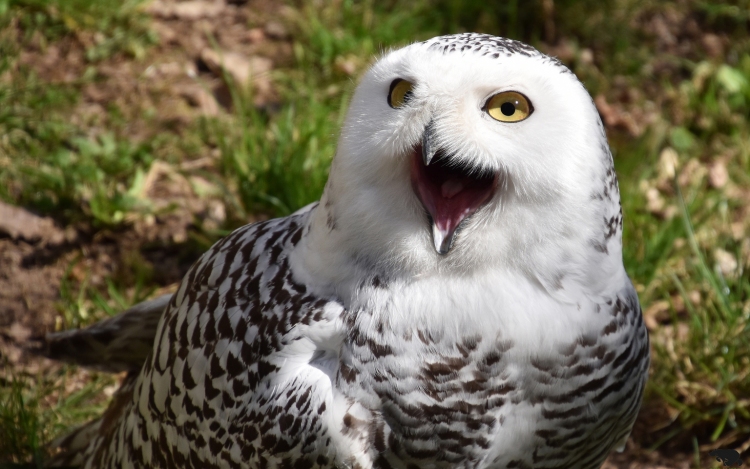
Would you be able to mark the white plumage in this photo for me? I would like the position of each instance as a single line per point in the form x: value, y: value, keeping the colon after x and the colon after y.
x: 457, y: 298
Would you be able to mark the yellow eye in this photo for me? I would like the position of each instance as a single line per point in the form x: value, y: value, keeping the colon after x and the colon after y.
x: 509, y: 106
x: 400, y: 93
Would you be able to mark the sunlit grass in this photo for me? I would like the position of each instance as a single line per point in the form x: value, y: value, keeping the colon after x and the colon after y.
x: 707, y: 382
x: 276, y: 162
x: 35, y: 408
x: 47, y: 162
x: 122, y: 26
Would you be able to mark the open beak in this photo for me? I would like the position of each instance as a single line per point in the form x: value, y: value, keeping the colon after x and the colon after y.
x: 450, y: 192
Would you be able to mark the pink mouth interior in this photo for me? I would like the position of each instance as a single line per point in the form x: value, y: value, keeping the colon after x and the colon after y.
x: 449, y: 193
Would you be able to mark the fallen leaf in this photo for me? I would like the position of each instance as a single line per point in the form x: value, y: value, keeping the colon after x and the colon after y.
x: 718, y: 176
x: 241, y: 68
x: 190, y: 10
x: 17, y: 223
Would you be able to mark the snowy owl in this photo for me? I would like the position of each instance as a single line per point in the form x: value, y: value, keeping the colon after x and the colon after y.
x: 456, y: 299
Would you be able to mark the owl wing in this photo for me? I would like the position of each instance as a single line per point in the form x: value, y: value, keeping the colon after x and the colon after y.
x: 241, y: 368
x: 116, y: 344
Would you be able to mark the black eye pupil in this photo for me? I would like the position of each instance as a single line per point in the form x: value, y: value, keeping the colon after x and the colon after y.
x: 407, y: 96
x: 508, y: 109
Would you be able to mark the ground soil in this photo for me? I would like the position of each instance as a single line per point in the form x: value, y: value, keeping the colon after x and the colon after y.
x: 179, y: 80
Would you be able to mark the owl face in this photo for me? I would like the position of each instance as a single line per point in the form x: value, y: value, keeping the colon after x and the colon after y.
x: 473, y: 134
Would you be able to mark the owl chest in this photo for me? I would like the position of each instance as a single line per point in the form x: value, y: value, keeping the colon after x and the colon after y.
x: 440, y: 409
x: 490, y: 397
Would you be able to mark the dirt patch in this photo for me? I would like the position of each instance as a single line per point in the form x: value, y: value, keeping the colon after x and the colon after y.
x: 28, y: 292
x: 45, y: 266
x: 32, y: 275
x: 201, y: 46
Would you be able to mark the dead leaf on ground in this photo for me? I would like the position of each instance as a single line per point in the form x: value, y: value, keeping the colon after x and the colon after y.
x: 718, y: 176
x: 275, y: 30
x: 241, y: 68
x: 713, y: 45
x: 17, y: 223
x: 615, y: 117
x: 201, y: 98
x: 191, y: 10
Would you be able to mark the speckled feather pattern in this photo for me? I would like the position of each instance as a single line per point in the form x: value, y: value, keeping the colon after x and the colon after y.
x: 210, y: 393
x: 489, y: 46
x: 315, y: 341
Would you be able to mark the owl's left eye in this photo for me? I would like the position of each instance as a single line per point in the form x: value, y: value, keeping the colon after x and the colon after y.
x: 400, y: 93
x: 509, y: 106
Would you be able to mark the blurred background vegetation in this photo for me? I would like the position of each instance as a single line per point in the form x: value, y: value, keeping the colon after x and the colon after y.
x: 119, y: 123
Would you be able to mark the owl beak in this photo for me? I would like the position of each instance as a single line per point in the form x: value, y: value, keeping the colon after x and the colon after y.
x: 428, y: 143
x: 450, y: 193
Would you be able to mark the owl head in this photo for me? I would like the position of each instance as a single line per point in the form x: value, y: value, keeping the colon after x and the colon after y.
x: 472, y: 151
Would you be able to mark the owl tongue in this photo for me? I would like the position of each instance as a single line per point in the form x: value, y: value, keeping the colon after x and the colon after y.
x: 450, y: 194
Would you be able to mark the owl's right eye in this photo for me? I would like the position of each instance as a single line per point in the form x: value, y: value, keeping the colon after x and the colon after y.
x: 400, y: 93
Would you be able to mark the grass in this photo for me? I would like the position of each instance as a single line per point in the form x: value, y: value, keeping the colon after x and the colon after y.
x: 47, y: 162
x: 685, y: 244
x: 266, y: 156
x: 35, y: 408
x: 702, y: 370
x: 708, y: 381
x: 121, y: 27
